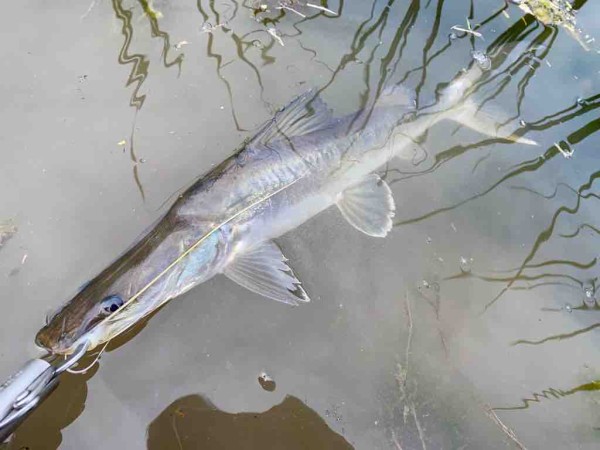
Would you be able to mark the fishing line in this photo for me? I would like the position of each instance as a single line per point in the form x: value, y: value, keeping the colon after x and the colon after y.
x: 81, y: 371
x: 187, y: 252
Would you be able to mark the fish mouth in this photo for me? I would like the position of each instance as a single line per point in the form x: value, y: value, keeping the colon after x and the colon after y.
x: 63, y: 334
x: 47, y: 340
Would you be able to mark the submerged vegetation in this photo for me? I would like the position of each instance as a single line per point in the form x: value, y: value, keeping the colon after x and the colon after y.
x: 556, y: 12
x: 549, y: 12
x: 7, y: 230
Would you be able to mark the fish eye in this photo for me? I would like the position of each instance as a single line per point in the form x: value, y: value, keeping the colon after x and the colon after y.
x: 111, y: 303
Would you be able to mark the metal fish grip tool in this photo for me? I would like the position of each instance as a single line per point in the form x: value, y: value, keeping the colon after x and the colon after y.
x: 25, y: 389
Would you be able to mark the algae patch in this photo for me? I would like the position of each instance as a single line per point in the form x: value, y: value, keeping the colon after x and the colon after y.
x: 556, y: 12
x: 7, y: 230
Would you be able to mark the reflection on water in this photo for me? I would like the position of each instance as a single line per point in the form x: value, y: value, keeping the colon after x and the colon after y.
x: 529, y: 215
x: 194, y: 422
x: 550, y: 393
x: 232, y: 32
x: 140, y: 65
x: 558, y: 337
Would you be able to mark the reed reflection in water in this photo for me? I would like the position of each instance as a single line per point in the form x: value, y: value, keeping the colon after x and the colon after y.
x: 417, y: 378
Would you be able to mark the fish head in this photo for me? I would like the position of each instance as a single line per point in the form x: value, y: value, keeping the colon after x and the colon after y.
x: 77, y: 321
x: 85, y: 318
x: 151, y: 273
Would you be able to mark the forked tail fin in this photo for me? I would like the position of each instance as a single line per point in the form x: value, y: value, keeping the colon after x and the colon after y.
x: 469, y: 115
x: 455, y: 104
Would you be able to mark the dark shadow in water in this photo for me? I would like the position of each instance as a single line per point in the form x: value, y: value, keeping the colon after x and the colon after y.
x: 157, y: 32
x: 501, y: 49
x: 521, y: 277
x: 224, y: 31
x: 140, y: 65
x: 42, y: 429
x: 547, y: 233
x: 558, y: 337
x: 579, y: 229
x: 210, y: 53
x: 140, y: 62
x: 579, y: 283
x: 552, y: 393
x: 556, y: 262
x: 193, y: 422
x: 521, y: 169
x: 137, y: 76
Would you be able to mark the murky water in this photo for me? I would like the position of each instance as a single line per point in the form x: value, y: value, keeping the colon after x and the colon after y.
x: 474, y: 324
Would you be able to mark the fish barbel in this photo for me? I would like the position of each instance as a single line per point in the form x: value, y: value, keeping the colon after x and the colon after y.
x: 300, y: 163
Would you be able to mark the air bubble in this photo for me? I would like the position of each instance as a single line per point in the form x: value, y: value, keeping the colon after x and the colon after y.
x: 589, y: 297
x: 465, y: 264
x: 483, y: 61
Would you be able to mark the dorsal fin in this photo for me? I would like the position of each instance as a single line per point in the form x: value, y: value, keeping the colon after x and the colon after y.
x: 305, y: 114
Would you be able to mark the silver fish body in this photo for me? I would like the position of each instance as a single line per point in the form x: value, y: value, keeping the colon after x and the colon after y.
x: 301, y: 163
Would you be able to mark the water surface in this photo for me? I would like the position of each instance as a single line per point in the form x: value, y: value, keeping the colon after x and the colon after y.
x: 474, y: 324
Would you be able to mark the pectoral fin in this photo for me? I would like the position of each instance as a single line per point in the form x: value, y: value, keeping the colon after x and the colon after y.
x: 368, y: 206
x: 484, y: 123
x: 263, y: 270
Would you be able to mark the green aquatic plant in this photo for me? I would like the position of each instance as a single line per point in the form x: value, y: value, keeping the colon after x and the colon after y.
x: 555, y: 12
x: 149, y: 10
x: 549, y: 12
x: 7, y: 230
